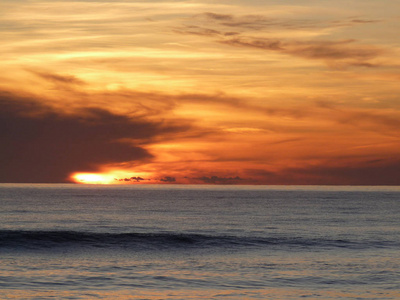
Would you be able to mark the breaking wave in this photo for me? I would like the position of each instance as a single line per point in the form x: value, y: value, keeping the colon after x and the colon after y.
x: 19, y: 239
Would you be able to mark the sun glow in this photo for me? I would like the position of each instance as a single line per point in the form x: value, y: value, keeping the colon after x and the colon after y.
x: 93, y: 178
x: 112, y: 176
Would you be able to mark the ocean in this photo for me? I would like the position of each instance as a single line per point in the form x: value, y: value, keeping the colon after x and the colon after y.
x: 69, y: 241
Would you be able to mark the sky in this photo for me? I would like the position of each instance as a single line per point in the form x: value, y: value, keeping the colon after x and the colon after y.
x: 200, y: 92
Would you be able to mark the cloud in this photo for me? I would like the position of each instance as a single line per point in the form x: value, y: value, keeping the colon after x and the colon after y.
x: 372, y: 172
x: 383, y: 121
x: 168, y: 179
x: 218, y: 17
x: 202, y: 31
x: 58, y: 79
x: 368, y: 172
x: 259, y: 22
x: 363, y: 21
x: 332, y: 50
x: 131, y: 179
x: 252, y: 22
x: 39, y: 144
x: 344, y: 52
x: 265, y: 44
x: 219, y: 180
x: 335, y: 53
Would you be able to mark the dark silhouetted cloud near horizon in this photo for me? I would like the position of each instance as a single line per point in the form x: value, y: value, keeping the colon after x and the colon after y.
x: 41, y: 145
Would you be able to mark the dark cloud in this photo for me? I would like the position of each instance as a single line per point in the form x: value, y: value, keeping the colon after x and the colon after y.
x: 57, y: 78
x: 196, y: 30
x: 333, y: 50
x: 362, y: 21
x: 131, y: 179
x: 265, y: 44
x: 344, y: 52
x: 218, y: 17
x: 39, y: 144
x: 202, y: 31
x: 219, y: 180
x: 137, y: 179
x: 260, y: 22
x: 168, y: 179
x: 248, y: 21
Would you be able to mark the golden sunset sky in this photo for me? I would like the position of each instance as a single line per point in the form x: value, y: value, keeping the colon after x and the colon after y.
x: 225, y: 92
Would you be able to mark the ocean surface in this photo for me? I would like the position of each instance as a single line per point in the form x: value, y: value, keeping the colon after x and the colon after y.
x: 199, y: 242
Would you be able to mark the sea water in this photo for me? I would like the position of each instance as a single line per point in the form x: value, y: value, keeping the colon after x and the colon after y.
x: 199, y: 242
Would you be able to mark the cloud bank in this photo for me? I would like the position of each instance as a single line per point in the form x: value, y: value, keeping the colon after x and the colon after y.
x: 40, y: 144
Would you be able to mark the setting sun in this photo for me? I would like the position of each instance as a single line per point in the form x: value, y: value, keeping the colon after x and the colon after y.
x: 92, y: 178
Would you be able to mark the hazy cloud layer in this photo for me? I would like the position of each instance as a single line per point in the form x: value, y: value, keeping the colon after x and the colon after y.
x: 382, y: 172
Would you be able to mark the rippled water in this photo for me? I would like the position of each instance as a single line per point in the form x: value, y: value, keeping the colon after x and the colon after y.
x: 208, y: 242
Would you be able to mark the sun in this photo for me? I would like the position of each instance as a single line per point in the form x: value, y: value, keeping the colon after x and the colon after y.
x: 92, y: 178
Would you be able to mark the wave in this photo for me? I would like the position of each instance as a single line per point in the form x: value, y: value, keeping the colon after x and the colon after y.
x: 20, y: 239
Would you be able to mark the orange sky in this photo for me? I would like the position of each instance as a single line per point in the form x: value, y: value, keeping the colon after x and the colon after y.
x: 227, y: 92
